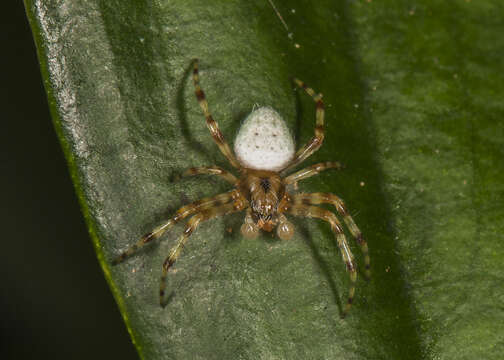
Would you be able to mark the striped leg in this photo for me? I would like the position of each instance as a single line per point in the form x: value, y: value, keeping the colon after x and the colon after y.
x: 311, y: 171
x: 211, y: 170
x: 323, y: 198
x: 316, y: 141
x: 183, y: 212
x: 211, y: 123
x: 346, y: 254
x: 192, y: 224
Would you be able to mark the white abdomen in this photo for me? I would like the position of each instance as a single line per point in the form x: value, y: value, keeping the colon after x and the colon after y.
x: 264, y: 141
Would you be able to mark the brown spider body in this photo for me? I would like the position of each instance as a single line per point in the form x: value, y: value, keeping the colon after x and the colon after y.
x: 264, y: 190
x: 263, y: 157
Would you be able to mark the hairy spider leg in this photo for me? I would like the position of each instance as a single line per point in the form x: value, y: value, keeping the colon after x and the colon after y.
x: 311, y: 171
x: 323, y: 198
x: 316, y: 141
x: 211, y: 123
x: 346, y: 253
x: 182, y: 213
x: 192, y: 224
x: 211, y: 170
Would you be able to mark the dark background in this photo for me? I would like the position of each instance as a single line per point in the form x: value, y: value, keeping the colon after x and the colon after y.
x: 54, y: 301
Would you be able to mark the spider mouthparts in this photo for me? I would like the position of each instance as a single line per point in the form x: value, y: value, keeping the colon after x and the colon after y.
x: 265, y: 225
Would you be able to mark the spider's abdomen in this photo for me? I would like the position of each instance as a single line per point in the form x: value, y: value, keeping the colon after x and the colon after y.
x: 264, y: 141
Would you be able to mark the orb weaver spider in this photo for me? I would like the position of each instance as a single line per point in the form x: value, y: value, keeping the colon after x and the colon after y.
x: 264, y: 153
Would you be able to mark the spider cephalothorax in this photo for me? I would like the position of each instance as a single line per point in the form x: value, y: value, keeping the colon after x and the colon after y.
x: 264, y: 189
x: 264, y: 152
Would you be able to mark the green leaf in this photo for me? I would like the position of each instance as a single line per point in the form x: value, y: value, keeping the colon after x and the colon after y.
x: 414, y: 102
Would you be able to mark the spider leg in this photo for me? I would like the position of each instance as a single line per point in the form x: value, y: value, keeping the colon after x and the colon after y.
x: 316, y: 141
x: 323, y: 198
x: 346, y: 253
x: 211, y: 123
x: 211, y: 170
x: 192, y: 224
x: 311, y: 171
x: 183, y: 212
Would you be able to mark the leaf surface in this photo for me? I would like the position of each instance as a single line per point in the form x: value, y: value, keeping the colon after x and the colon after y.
x: 414, y: 103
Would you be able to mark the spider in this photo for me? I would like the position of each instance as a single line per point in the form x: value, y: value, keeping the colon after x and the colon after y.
x: 264, y: 153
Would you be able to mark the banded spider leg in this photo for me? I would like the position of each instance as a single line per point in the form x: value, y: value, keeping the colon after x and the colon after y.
x: 185, y: 211
x: 204, y: 215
